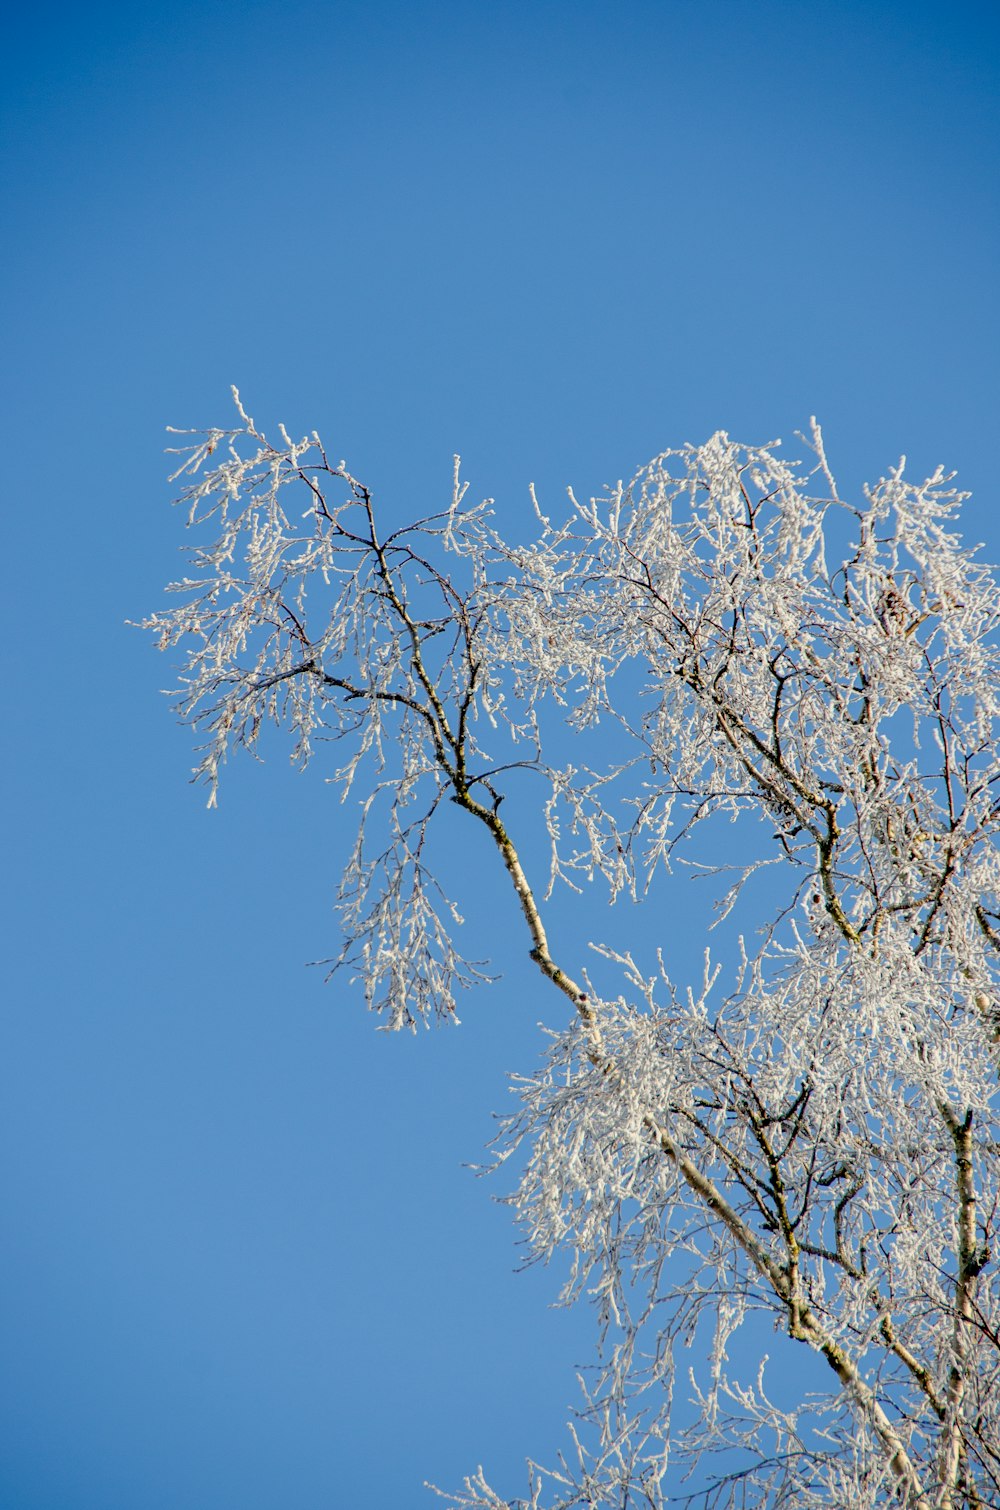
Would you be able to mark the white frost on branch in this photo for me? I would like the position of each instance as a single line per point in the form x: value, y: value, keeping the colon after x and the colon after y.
x: 812, y: 1133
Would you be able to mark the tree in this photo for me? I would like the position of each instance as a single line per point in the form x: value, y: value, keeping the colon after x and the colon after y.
x: 810, y: 1132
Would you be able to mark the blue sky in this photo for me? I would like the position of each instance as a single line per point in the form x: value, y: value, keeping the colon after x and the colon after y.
x: 242, y: 1263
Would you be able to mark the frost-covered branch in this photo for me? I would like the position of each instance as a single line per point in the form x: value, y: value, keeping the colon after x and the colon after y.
x: 811, y: 1132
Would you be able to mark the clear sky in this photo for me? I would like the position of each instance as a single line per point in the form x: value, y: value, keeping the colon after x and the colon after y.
x: 241, y: 1264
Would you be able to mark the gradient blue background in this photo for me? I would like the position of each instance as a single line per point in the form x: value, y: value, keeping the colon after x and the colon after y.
x: 241, y: 1266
